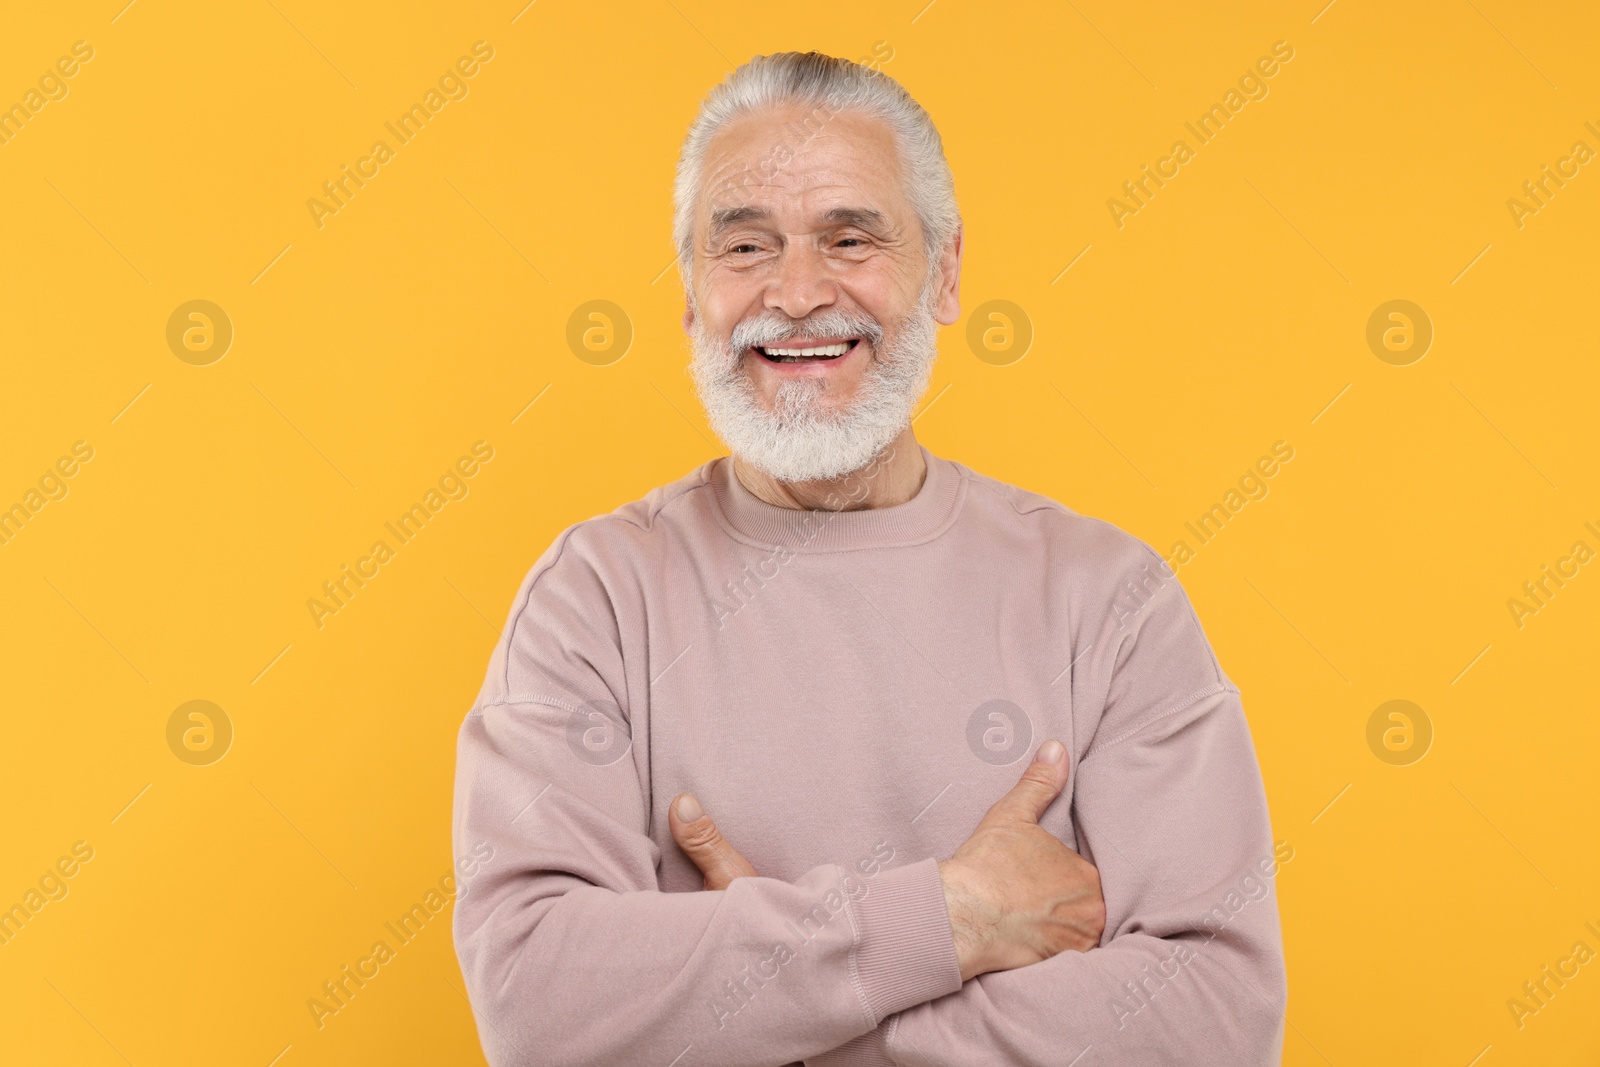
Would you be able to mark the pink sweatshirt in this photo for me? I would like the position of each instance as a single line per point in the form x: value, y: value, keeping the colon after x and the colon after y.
x: 847, y: 692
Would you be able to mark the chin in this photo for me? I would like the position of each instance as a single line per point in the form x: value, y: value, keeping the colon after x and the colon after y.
x: 811, y: 449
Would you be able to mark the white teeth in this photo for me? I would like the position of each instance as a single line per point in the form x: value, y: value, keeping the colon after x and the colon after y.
x: 825, y: 350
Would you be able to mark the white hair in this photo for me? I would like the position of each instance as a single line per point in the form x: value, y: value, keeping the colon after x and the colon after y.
x: 827, y: 85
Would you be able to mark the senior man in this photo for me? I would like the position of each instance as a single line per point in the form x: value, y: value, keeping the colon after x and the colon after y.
x: 834, y: 751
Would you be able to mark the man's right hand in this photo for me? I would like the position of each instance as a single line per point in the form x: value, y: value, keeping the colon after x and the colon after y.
x: 1016, y: 894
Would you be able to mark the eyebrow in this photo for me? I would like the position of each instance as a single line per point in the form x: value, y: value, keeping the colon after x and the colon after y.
x: 865, y: 217
x: 726, y: 218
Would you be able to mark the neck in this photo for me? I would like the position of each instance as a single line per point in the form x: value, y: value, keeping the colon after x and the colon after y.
x: 894, y: 477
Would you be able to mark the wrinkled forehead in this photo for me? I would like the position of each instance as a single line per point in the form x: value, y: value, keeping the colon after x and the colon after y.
x: 798, y: 162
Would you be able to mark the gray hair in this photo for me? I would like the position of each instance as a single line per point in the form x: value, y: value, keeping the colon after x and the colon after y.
x: 829, y: 85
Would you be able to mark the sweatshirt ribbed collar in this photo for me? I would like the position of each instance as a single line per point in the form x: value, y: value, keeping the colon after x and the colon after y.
x: 924, y: 516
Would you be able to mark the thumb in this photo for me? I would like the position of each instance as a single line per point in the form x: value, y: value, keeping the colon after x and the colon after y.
x: 1041, y: 783
x: 703, y: 843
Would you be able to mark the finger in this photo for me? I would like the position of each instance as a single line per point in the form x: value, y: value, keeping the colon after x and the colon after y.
x: 703, y: 843
x: 1041, y: 783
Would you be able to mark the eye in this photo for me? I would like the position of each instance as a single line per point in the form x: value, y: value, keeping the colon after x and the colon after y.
x: 847, y: 240
x: 743, y: 246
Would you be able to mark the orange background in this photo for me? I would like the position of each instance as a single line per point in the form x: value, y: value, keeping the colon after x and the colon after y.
x: 371, y: 352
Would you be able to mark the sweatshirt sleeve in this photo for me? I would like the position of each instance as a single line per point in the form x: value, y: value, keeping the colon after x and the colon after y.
x: 571, y: 952
x: 1168, y: 803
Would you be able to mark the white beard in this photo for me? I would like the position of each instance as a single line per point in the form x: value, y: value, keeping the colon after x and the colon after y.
x: 801, y: 439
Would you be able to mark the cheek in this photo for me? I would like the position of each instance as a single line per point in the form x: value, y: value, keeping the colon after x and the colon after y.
x: 889, y: 290
x: 725, y: 302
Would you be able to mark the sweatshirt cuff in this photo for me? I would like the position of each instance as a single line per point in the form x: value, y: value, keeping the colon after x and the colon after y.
x: 868, y: 1050
x: 907, y: 952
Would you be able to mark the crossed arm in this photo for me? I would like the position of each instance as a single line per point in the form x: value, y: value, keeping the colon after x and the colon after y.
x: 569, y: 957
x: 571, y: 954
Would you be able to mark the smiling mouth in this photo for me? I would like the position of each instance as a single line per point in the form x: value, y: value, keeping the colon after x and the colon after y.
x: 811, y: 354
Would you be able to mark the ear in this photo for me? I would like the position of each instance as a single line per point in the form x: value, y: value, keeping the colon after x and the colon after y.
x: 688, y: 318
x: 948, y: 307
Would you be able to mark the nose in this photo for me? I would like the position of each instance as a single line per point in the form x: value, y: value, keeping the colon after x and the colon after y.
x: 801, y: 283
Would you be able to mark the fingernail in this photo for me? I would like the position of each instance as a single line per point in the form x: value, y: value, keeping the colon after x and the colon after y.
x: 689, y: 808
x: 1052, y: 751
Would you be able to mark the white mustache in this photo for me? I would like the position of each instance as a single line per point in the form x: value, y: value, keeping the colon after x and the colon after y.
x: 763, y: 331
